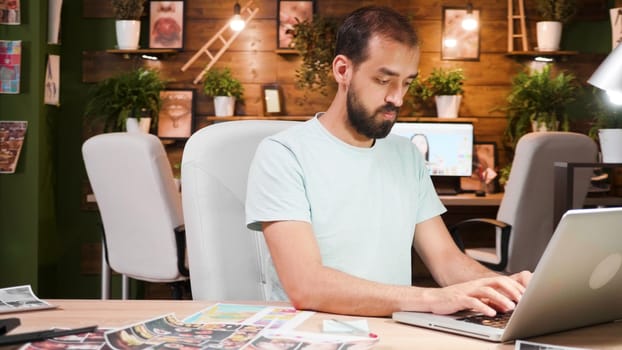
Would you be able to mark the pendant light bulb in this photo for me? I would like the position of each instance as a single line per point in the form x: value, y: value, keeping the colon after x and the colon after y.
x: 236, y: 23
x: 469, y: 22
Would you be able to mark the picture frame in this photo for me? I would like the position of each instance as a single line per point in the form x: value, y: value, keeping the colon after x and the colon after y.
x: 166, y: 24
x: 484, y: 156
x: 176, y: 117
x: 272, y: 98
x: 458, y: 43
x: 288, y: 14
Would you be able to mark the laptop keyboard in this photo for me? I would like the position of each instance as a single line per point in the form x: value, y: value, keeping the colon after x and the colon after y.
x: 497, y: 321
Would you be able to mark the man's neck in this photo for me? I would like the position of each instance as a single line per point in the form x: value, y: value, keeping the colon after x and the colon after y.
x: 335, y: 121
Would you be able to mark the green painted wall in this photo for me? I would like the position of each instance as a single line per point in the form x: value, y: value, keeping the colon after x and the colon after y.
x: 26, y: 197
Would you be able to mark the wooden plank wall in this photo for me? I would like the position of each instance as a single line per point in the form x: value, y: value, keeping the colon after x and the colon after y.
x: 253, y: 59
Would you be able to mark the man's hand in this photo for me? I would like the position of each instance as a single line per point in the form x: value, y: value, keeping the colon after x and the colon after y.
x: 486, y: 295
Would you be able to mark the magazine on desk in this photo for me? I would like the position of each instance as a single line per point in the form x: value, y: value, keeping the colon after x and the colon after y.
x: 219, y: 326
x: 21, y: 298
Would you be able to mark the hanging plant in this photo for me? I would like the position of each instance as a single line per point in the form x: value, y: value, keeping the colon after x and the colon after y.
x: 315, y: 41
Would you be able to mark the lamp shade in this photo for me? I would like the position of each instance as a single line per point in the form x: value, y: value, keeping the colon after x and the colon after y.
x: 608, y: 76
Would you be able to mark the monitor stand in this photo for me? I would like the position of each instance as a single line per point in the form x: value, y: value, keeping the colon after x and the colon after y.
x: 446, y: 185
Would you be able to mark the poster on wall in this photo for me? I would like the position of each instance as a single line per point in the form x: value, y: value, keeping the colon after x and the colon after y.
x: 166, y: 24
x: 12, y: 135
x: 52, y: 81
x: 54, y: 7
x: 10, y: 61
x: 616, y: 26
x: 10, y: 12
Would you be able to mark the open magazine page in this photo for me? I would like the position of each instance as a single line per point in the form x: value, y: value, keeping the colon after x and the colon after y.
x: 21, y: 298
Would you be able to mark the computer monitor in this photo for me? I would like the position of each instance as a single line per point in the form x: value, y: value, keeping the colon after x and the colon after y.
x: 447, y: 148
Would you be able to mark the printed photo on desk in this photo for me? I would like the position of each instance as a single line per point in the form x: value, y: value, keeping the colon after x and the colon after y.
x: 21, y: 298
x: 484, y: 167
x: 176, y: 118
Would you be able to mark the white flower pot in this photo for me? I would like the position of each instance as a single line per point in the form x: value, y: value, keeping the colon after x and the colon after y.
x: 447, y: 106
x: 611, y: 145
x: 549, y: 35
x: 128, y: 34
x: 136, y: 125
x: 224, y: 106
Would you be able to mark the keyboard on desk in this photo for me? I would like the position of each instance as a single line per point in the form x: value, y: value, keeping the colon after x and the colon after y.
x: 497, y: 321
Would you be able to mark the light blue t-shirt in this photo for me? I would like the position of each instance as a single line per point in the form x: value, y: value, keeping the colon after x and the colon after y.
x: 363, y: 203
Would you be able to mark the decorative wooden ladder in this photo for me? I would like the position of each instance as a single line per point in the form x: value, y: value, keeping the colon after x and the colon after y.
x: 520, y: 17
x: 247, y: 13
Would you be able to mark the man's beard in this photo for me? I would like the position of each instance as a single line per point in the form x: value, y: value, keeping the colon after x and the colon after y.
x: 363, y: 122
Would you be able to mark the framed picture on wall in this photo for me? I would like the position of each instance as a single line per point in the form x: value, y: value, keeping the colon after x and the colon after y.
x: 484, y: 158
x: 166, y: 24
x: 460, y: 35
x: 290, y: 13
x: 176, y: 118
x: 272, y: 98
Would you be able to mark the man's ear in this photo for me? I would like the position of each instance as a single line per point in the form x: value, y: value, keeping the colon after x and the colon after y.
x: 342, y: 69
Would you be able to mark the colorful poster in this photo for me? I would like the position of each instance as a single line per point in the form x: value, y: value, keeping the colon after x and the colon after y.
x: 10, y: 61
x: 12, y: 135
x: 9, y: 12
x: 52, y: 81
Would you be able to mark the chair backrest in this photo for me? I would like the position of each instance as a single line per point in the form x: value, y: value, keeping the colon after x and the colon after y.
x: 226, y: 260
x: 138, y: 201
x: 528, y: 201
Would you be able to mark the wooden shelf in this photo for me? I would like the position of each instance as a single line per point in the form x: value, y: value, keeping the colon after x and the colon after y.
x: 532, y: 54
x: 437, y: 119
x: 303, y: 117
x: 159, y: 53
x: 287, y: 52
x: 258, y: 117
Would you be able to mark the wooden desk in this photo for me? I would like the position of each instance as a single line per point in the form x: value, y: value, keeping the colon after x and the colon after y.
x: 470, y: 199
x: 116, y: 313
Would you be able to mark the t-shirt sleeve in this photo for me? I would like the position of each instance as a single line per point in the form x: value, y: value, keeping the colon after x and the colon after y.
x: 431, y: 205
x: 275, y: 189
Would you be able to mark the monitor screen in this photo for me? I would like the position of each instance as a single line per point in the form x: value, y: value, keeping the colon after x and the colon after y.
x: 447, y: 147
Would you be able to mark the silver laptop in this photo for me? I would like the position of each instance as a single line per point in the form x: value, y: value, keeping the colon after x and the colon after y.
x: 577, y: 283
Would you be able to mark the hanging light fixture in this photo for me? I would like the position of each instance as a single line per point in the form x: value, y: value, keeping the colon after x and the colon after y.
x: 469, y: 22
x: 236, y: 23
x: 608, y: 76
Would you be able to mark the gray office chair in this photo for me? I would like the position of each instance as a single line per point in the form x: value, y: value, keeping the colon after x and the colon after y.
x: 140, y: 208
x: 524, y: 222
x: 226, y: 260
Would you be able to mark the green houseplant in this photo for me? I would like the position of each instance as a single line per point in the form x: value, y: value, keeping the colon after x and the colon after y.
x: 127, y: 24
x: 315, y: 41
x: 132, y: 94
x: 553, y: 14
x: 224, y: 88
x: 537, y: 101
x: 128, y: 9
x: 445, y: 85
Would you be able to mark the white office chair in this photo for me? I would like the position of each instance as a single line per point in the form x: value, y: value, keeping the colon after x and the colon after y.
x: 140, y: 208
x: 525, y: 217
x: 226, y: 260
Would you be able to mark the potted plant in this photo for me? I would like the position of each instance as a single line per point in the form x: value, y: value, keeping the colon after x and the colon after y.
x: 607, y: 127
x: 127, y: 25
x: 537, y: 102
x: 315, y: 41
x: 135, y: 94
x: 446, y: 87
x: 225, y: 89
x: 553, y: 14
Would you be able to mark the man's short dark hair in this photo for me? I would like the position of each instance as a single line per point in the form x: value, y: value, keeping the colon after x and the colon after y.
x: 366, y: 22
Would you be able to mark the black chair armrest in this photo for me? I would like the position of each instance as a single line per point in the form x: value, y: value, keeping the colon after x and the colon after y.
x: 505, y: 238
x: 180, y: 240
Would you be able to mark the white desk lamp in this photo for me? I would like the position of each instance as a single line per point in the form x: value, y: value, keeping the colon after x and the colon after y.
x: 608, y: 76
